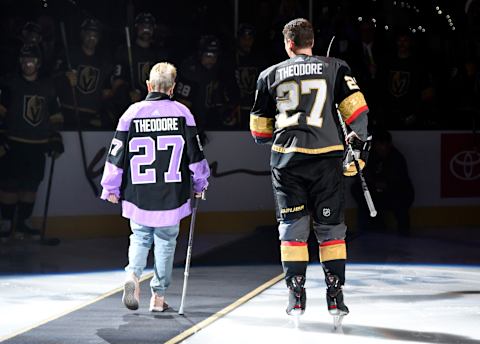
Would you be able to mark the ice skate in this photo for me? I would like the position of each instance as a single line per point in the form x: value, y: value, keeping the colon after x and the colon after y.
x: 336, y: 306
x: 131, y: 292
x: 297, y: 297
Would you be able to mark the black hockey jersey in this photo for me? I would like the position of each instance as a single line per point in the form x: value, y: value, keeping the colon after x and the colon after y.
x: 143, y: 60
x: 296, y: 108
x: 32, y: 109
x: 93, y: 76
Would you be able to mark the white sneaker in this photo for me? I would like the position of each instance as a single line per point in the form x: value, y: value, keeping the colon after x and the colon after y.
x: 157, y: 303
x: 131, y: 292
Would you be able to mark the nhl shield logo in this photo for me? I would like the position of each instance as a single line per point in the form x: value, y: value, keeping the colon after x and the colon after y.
x: 399, y: 83
x: 87, y: 79
x: 143, y: 73
x: 33, y: 109
x: 326, y: 212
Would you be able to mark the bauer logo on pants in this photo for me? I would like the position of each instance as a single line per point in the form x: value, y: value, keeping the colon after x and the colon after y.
x: 326, y: 212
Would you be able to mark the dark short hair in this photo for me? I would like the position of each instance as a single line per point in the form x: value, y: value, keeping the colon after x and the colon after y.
x: 300, y: 31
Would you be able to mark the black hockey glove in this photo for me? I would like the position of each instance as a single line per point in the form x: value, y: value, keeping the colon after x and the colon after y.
x: 55, y: 145
x: 361, y: 150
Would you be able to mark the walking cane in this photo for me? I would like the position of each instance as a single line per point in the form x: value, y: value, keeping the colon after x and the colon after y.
x: 189, y: 253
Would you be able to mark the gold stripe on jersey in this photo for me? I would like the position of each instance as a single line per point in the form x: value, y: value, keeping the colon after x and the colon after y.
x: 261, y: 125
x: 323, y: 150
x: 21, y: 139
x: 350, y: 105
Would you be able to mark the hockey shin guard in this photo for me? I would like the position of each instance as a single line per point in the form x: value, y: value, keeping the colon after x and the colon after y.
x: 294, y: 255
x: 333, y: 254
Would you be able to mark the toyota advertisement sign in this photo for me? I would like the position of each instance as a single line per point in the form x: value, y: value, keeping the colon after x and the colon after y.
x: 460, y: 165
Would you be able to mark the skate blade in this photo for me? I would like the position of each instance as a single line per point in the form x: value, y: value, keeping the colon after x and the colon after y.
x: 296, y: 322
x: 337, y: 320
x: 296, y: 312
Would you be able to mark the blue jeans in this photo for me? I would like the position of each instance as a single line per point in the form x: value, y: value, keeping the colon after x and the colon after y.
x: 164, y: 240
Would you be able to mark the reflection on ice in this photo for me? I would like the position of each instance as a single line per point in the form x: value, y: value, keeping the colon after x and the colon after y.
x: 414, y: 303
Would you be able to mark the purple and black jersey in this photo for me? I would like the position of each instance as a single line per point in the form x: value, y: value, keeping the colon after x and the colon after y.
x: 153, y: 160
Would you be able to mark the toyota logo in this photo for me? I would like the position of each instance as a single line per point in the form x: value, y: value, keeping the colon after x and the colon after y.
x: 465, y: 165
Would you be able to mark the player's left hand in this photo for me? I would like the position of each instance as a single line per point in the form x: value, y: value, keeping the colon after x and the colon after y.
x: 351, y: 137
x: 72, y: 77
x: 200, y: 195
x: 112, y: 198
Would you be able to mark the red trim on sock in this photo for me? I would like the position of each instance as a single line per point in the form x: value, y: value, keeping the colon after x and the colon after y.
x: 332, y: 242
x: 293, y: 243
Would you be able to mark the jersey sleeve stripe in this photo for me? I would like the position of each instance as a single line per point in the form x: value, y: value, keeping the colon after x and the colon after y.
x: 261, y: 126
x: 357, y: 113
x: 352, y: 106
x: 258, y: 134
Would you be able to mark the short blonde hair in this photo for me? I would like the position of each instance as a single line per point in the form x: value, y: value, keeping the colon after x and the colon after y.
x: 162, y: 76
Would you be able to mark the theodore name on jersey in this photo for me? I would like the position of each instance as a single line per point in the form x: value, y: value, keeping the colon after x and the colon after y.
x: 299, y: 70
x: 149, y: 125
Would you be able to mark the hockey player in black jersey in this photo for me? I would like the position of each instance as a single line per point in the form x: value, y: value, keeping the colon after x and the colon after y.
x: 248, y: 64
x: 86, y: 87
x: 154, y: 159
x: 32, y: 116
x: 144, y: 54
x: 295, y: 110
x: 207, y: 86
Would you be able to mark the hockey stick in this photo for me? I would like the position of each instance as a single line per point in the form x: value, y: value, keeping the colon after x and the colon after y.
x: 130, y: 57
x: 189, y: 253
x: 330, y: 46
x: 366, y: 192
x: 43, y: 240
x: 75, y: 105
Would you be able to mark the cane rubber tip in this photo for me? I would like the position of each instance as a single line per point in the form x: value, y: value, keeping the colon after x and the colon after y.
x: 373, y: 213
